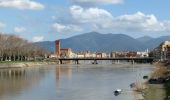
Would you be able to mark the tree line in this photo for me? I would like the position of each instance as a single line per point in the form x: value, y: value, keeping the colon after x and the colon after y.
x: 14, y: 48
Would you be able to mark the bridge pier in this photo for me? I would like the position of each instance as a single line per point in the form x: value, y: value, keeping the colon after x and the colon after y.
x: 77, y: 62
x: 115, y: 61
x: 95, y: 62
x: 61, y: 62
x: 133, y: 62
x: 118, y: 61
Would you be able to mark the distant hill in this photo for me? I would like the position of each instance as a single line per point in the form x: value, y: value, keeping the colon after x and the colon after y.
x: 156, y: 41
x: 94, y: 41
x: 47, y: 45
x: 144, y: 39
x: 102, y: 42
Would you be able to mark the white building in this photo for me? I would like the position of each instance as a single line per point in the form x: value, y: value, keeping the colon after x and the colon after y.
x: 143, y: 54
x: 80, y: 56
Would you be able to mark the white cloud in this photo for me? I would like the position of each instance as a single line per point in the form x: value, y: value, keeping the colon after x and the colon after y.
x: 166, y: 25
x: 94, y: 16
x: 19, y: 29
x: 38, y: 38
x: 2, y: 25
x: 102, y: 20
x: 66, y: 28
x: 138, y: 22
x: 21, y: 4
x: 96, y: 2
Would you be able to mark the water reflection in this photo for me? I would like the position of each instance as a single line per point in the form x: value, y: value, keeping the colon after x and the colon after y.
x: 14, y: 81
x: 69, y: 82
x: 63, y: 71
x: 12, y: 73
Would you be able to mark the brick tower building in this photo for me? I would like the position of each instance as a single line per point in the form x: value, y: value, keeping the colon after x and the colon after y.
x: 57, y: 48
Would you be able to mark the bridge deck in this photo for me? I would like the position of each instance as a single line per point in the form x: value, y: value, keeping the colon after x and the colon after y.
x: 148, y: 58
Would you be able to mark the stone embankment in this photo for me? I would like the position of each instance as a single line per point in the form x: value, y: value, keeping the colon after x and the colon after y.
x: 25, y: 64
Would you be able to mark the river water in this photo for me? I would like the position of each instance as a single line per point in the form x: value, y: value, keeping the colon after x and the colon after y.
x: 71, y: 82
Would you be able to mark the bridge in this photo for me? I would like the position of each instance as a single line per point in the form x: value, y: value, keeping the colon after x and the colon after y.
x: 133, y: 60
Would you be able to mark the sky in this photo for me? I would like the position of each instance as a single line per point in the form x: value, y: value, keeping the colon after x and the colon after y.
x: 48, y: 20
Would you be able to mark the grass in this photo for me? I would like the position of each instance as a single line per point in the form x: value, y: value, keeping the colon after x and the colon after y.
x: 154, y: 92
x: 162, y: 70
x: 165, y: 71
x: 167, y: 90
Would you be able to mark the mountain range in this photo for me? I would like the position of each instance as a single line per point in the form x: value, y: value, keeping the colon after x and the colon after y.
x: 95, y: 41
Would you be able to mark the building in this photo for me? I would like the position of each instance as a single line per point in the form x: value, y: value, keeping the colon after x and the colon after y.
x: 73, y: 55
x: 80, y: 55
x: 62, y: 52
x: 65, y: 52
x: 113, y: 54
x: 162, y: 52
x: 101, y: 55
x: 131, y: 54
x: 57, y: 48
x: 143, y: 54
x: 123, y: 54
x: 89, y: 54
x: 86, y: 54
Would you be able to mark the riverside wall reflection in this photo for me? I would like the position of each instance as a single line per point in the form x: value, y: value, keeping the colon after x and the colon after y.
x: 62, y: 71
x: 16, y: 80
x: 70, y: 82
x: 12, y: 73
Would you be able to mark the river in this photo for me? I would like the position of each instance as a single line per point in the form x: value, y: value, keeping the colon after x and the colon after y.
x: 71, y: 82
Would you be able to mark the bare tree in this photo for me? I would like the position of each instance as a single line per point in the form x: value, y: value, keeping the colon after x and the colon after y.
x: 14, y: 48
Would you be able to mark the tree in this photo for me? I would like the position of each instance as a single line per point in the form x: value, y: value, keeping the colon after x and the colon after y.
x: 15, y: 48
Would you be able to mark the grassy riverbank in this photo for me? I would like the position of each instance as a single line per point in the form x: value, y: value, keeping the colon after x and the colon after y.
x: 155, y: 92
x: 167, y: 89
x: 159, y: 91
x: 166, y: 66
x: 20, y: 64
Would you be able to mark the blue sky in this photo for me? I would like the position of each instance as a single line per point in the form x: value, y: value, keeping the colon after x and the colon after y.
x: 47, y: 20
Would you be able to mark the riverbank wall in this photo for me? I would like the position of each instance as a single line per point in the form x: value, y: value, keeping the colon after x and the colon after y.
x: 25, y: 64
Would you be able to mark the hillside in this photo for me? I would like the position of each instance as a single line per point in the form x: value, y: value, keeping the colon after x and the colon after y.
x: 144, y: 39
x: 94, y: 41
x: 156, y: 41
